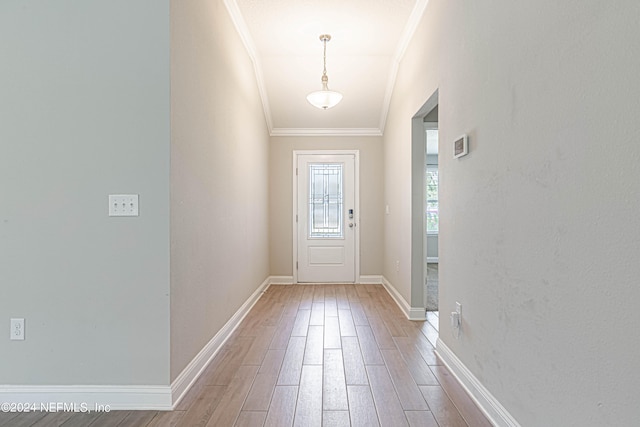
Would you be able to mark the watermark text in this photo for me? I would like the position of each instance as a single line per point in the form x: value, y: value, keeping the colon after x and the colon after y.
x: 81, y: 407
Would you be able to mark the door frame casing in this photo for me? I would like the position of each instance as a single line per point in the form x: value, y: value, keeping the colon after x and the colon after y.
x: 356, y: 183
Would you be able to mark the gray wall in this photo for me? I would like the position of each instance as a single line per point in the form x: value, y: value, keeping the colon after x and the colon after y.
x: 549, y: 95
x: 84, y: 112
x: 432, y: 245
x: 432, y: 116
x: 281, y: 198
x: 219, y: 177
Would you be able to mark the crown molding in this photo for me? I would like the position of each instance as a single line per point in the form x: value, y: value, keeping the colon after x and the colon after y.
x: 326, y: 132
x: 403, y: 43
x: 247, y: 40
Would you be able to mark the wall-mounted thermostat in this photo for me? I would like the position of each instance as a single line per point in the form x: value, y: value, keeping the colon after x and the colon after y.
x: 460, y: 147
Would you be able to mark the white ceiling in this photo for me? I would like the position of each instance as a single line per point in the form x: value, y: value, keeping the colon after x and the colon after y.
x: 368, y: 40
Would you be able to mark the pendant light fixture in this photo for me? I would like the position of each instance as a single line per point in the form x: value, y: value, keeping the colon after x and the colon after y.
x: 324, y: 98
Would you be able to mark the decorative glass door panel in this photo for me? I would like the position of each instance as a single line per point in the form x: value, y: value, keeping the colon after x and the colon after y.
x: 326, y: 201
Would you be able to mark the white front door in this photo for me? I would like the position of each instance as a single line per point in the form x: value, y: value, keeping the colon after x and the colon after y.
x: 326, y: 214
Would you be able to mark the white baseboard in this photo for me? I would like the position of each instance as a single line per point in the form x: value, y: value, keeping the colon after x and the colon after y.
x: 488, y: 404
x: 432, y: 259
x: 412, y: 313
x: 370, y: 280
x: 192, y: 372
x: 148, y: 397
x: 84, y: 398
x: 288, y: 280
x: 281, y: 280
x: 417, y: 313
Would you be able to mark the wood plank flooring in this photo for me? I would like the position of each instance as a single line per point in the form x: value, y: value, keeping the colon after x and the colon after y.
x: 311, y: 355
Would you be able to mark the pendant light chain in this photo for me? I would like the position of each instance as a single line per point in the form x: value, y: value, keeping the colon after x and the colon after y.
x: 324, y: 57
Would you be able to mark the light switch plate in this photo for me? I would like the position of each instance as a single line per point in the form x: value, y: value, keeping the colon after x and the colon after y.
x: 123, y: 205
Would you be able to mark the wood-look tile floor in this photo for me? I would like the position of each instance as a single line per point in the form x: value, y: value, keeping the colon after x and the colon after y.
x: 311, y: 355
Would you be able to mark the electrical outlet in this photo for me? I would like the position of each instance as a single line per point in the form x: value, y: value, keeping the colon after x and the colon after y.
x: 456, y: 320
x: 17, y: 329
x: 397, y: 266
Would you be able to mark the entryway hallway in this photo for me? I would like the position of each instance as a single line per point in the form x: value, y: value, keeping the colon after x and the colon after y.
x: 311, y: 355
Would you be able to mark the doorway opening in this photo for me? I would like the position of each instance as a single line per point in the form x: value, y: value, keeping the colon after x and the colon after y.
x: 432, y: 213
x: 432, y: 217
x: 424, y: 210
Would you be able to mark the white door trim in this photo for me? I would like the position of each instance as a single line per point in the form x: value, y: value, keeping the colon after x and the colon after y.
x: 294, y: 225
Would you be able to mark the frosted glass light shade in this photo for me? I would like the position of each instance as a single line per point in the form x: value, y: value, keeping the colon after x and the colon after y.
x: 324, y: 99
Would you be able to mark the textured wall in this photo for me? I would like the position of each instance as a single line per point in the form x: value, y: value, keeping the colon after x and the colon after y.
x: 538, y: 232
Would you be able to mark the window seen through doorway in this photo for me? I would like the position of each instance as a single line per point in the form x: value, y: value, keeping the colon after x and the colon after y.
x: 432, y: 213
x: 432, y: 199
